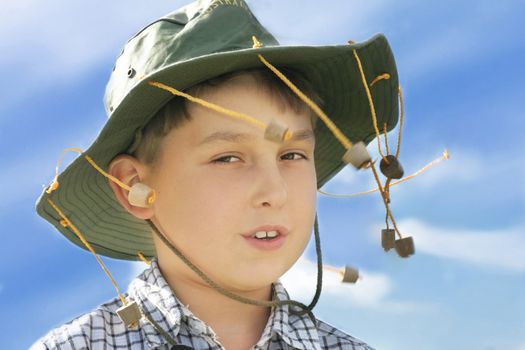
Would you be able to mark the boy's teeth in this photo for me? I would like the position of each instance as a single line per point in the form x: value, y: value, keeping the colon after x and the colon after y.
x: 264, y: 234
x: 260, y: 234
x: 272, y: 234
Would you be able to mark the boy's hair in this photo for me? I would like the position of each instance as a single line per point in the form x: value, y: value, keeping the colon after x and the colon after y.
x: 175, y: 113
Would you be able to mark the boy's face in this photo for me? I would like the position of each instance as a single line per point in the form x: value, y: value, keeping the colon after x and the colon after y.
x: 205, y: 207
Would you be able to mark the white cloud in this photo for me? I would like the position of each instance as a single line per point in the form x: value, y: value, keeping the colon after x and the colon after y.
x: 372, y: 290
x: 521, y: 346
x: 463, y: 166
x: 498, y: 249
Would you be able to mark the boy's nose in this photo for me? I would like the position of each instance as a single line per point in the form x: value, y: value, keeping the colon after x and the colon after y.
x: 270, y: 187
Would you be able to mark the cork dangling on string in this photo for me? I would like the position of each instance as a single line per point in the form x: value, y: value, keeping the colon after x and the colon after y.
x: 389, y: 166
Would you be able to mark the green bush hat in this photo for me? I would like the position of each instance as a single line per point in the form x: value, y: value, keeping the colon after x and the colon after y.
x: 200, y: 41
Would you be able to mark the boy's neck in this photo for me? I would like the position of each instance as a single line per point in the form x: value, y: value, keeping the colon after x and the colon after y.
x: 237, y: 325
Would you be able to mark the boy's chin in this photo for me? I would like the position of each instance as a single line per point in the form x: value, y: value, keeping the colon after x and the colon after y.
x: 255, y: 279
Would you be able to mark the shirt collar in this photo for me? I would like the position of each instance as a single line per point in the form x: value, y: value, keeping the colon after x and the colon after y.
x: 153, y: 294
x: 297, y: 331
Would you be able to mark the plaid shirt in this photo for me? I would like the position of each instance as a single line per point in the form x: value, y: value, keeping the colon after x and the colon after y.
x: 103, y: 329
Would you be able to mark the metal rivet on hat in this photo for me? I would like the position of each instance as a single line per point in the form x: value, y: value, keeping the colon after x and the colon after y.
x: 357, y: 155
x: 404, y: 247
x: 350, y: 275
x: 129, y: 314
x: 388, y: 238
x: 393, y: 169
x: 275, y: 131
x: 131, y: 72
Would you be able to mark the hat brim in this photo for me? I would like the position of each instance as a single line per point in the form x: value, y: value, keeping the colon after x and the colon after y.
x: 86, y: 198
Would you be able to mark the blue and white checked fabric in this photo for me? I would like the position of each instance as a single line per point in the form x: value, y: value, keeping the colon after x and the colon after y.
x: 102, y: 329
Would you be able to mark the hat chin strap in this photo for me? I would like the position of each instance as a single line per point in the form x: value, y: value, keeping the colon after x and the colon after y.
x: 304, y: 309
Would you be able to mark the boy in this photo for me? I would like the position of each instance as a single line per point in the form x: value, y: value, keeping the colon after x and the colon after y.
x: 222, y: 207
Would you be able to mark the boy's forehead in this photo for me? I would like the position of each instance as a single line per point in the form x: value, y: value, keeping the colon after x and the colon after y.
x: 207, y: 127
x: 232, y: 136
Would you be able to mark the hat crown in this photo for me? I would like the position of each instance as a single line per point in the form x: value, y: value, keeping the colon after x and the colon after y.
x: 199, y: 29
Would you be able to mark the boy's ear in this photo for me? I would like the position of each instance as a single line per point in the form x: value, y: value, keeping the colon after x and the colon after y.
x: 128, y: 170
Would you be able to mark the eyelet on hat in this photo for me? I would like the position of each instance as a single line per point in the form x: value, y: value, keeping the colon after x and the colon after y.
x: 357, y: 155
x: 392, y: 169
x: 131, y: 72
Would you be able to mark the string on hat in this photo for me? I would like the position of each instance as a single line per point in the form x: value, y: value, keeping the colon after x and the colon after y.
x: 67, y: 223
x: 401, y: 117
x: 370, y: 101
x: 143, y: 258
x: 328, y: 122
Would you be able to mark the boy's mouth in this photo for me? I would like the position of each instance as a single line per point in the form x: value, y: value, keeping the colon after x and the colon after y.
x: 267, y: 232
x: 267, y: 236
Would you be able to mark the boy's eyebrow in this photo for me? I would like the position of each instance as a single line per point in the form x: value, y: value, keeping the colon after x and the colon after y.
x: 234, y: 137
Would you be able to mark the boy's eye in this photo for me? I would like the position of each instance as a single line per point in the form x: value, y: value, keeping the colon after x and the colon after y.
x: 302, y: 156
x: 226, y: 159
x: 223, y: 159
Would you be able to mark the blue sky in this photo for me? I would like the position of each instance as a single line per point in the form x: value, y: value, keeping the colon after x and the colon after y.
x: 461, y: 69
